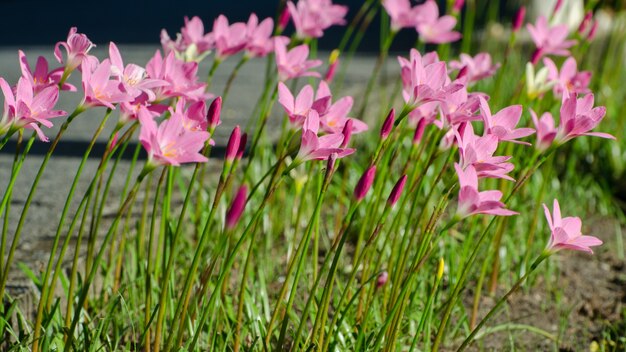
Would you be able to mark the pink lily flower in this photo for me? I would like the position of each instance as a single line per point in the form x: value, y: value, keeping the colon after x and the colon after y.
x: 478, y: 152
x: 434, y: 29
x: 228, y: 39
x: 478, y: 67
x: 578, y: 117
x: 25, y: 109
x: 41, y: 78
x: 424, y: 82
x: 546, y: 132
x: 503, y: 123
x: 566, y: 232
x: 99, y: 89
x: 333, y: 117
x: 293, y: 63
x: 77, y: 47
x: 458, y: 107
x: 297, y: 108
x: 568, y: 80
x: 133, y: 77
x: 181, y: 76
x: 195, y: 116
x: 191, y: 43
x: 130, y: 110
x: 312, y: 17
x: 314, y: 147
x: 472, y: 201
x: 171, y: 143
x: 401, y: 14
x: 549, y: 40
x: 259, y: 41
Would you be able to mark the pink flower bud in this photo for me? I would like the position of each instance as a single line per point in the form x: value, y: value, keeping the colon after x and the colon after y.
x: 592, y: 31
x: 365, y: 183
x: 233, y: 144
x: 419, y: 131
x: 213, y: 116
x: 236, y: 207
x: 242, y: 146
x: 519, y: 19
x: 283, y: 20
x: 388, y: 124
x: 458, y: 5
x: 347, y: 133
x: 536, y: 56
x: 114, y: 141
x: 396, y: 192
x: 382, y: 279
x: 332, y: 67
x: 330, y: 164
x: 585, y: 23
x: 557, y: 6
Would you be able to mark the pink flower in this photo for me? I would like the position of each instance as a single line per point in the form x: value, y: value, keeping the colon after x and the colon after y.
x: 478, y: 67
x: 77, y: 47
x: 319, y: 148
x: 191, y: 43
x: 477, y: 152
x: 296, y: 108
x: 312, y: 17
x: 423, y: 81
x: 228, y: 39
x: 259, y: 41
x: 503, y: 123
x: 130, y: 110
x: 41, y: 78
x: 566, y: 232
x: 471, y: 201
x: 100, y: 89
x: 133, y: 77
x: 25, y: 109
x: 435, y: 29
x: 568, y: 79
x: 401, y: 13
x: 181, y: 76
x: 293, y: 63
x: 549, y: 40
x: 333, y: 117
x: 171, y: 143
x: 546, y: 132
x: 194, y: 114
x: 578, y: 117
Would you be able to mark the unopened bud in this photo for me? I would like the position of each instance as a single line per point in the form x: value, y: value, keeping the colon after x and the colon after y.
x: 557, y: 6
x: 347, y: 133
x: 388, y: 124
x: 419, y: 131
x: 518, y: 21
x: 233, y: 144
x: 396, y: 192
x: 458, y: 5
x: 114, y: 141
x: 592, y: 31
x: 440, y: 268
x: 333, y: 61
x: 236, y: 207
x: 330, y: 165
x: 283, y: 20
x: 242, y: 146
x: 365, y: 183
x: 213, y: 116
x: 382, y: 279
x: 585, y: 23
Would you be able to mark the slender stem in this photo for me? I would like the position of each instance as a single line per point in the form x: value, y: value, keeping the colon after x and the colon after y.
x: 31, y: 195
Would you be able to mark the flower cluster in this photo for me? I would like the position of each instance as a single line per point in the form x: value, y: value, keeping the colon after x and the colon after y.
x: 424, y: 18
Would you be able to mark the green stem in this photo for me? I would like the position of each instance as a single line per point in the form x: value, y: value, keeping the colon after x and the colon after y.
x: 232, y: 76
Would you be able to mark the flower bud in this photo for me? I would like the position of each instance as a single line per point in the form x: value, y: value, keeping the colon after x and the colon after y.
x: 213, y: 116
x: 233, y: 144
x: 396, y: 192
x: 382, y: 279
x: 458, y: 5
x: 242, y: 146
x: 236, y: 207
x: 330, y: 166
x: 440, y: 268
x: 518, y: 21
x: 283, y: 20
x: 365, y: 183
x: 419, y: 131
x: 347, y: 133
x: 388, y: 124
x: 592, y: 31
x: 332, y: 66
x: 557, y: 6
x: 585, y: 23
